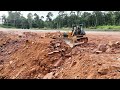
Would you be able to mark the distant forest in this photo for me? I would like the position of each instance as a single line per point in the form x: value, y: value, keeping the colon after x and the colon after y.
x: 94, y: 19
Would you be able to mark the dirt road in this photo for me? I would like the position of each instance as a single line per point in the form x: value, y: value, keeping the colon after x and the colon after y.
x: 44, y: 55
x: 31, y: 30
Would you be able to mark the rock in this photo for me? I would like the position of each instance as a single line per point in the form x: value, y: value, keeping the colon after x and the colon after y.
x: 94, y: 51
x: 63, y: 49
x: 11, y: 62
x: 56, y: 51
x: 108, y: 50
x: 98, y: 52
x: 50, y: 53
x: 53, y: 52
x: 110, y: 43
x: 57, y: 44
x: 58, y: 63
x: 32, y: 42
x: 100, y: 64
x: 49, y: 76
x: 118, y: 59
x: 73, y: 63
x: 103, y: 71
x: 102, y: 47
x: 118, y: 43
x: 56, y: 74
x: 68, y: 55
x: 43, y: 36
x: 39, y: 76
x: 76, y: 77
x: 115, y: 45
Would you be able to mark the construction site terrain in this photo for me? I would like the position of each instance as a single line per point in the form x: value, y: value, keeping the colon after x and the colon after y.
x: 40, y: 55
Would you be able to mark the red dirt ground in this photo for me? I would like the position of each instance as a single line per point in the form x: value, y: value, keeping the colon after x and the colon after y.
x: 31, y: 55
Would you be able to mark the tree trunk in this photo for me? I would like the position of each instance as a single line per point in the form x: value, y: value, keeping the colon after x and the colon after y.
x: 57, y: 25
x: 96, y: 22
x: 14, y: 22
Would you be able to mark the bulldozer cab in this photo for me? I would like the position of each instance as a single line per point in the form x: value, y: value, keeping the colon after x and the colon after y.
x: 77, y: 30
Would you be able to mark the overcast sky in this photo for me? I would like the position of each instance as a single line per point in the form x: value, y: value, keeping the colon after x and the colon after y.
x: 40, y: 13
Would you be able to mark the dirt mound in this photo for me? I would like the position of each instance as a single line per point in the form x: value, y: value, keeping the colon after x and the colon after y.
x: 85, y: 64
x: 31, y: 55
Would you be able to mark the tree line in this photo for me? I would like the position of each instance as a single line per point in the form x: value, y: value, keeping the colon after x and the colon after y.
x: 63, y: 19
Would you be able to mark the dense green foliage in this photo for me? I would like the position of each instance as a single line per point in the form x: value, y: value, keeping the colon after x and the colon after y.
x: 96, y: 19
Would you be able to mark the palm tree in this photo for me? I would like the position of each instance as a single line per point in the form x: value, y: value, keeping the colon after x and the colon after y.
x: 3, y: 19
x: 49, y: 15
x: 61, y: 16
x: 29, y: 16
x: 72, y: 13
x: 73, y: 16
x: 49, y: 18
x: 79, y: 13
x: 42, y: 17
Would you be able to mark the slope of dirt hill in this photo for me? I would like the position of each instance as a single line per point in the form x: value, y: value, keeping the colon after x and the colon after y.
x: 30, y: 55
x: 87, y: 63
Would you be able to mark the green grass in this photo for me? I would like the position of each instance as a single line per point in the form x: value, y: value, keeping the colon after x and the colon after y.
x: 98, y: 28
x: 4, y: 26
x: 108, y: 27
x: 45, y: 28
x: 105, y: 28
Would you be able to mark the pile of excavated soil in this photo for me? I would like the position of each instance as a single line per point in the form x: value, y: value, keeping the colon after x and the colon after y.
x: 29, y: 55
x: 99, y: 59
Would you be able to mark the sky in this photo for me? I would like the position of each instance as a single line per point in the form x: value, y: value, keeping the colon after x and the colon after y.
x: 40, y: 13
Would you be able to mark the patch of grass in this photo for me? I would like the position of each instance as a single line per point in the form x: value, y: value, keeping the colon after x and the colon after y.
x: 105, y: 28
x: 45, y: 28
x: 108, y: 27
x: 4, y: 26
x: 92, y: 28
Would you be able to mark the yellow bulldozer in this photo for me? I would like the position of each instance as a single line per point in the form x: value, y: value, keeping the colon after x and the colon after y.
x: 75, y: 37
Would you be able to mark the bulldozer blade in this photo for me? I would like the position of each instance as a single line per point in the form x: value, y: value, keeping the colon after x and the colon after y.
x: 72, y: 43
x: 69, y: 42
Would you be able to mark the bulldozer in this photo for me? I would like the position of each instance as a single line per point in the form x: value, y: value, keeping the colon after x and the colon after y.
x: 76, y: 36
